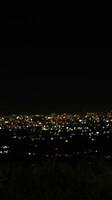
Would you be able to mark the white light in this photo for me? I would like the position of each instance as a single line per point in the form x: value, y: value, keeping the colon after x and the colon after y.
x: 66, y: 141
x: 6, y: 122
x: 6, y: 151
x: 52, y: 138
x: 108, y: 156
x: 4, y: 147
x: 97, y: 133
x: 17, y: 117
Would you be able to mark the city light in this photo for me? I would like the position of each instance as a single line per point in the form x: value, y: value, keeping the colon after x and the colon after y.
x: 48, y: 135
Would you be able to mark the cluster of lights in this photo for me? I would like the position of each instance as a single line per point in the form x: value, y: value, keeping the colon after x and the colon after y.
x: 4, y: 149
x: 63, y: 127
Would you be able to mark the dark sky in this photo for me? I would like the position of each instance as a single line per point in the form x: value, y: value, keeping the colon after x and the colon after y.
x: 42, y: 72
x: 36, y: 88
x: 54, y: 31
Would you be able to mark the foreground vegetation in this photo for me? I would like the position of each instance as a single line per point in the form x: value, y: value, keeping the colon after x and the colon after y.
x: 58, y: 180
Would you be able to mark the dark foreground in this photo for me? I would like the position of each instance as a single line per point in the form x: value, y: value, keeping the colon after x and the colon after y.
x: 78, y: 179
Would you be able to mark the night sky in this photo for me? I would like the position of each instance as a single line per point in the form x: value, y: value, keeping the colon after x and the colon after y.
x: 43, y: 90
x: 37, y: 77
